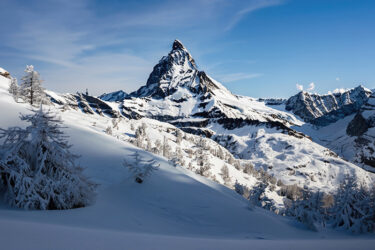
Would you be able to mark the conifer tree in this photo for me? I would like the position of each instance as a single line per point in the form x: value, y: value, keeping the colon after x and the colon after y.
x: 352, y: 210
x: 140, y: 168
x: 14, y: 89
x: 37, y: 168
x: 31, y: 90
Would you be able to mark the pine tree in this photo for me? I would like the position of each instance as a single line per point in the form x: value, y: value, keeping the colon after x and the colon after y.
x: 225, y: 174
x: 204, y: 170
x: 37, y: 169
x: 248, y: 168
x: 242, y: 190
x: 220, y: 153
x: 179, y: 136
x: 158, y: 147
x: 14, y: 89
x: 140, y: 135
x: 115, y: 122
x: 257, y: 196
x: 31, y: 90
x: 308, y: 210
x: 108, y: 130
x: 166, y: 148
x: 140, y: 168
x: 239, y: 188
x: 352, y: 210
x: 149, y: 145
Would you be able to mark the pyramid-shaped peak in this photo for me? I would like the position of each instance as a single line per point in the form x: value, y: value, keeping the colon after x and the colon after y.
x: 178, y: 45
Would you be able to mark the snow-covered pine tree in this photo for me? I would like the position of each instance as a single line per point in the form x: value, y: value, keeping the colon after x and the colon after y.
x: 108, y: 130
x: 158, y: 147
x: 37, y: 169
x: 242, y: 190
x: 115, y: 122
x: 224, y: 172
x: 307, y: 210
x: 352, y: 209
x: 257, y: 196
x: 239, y: 188
x: 178, y: 159
x: 31, y: 90
x: 204, y: 170
x: 139, y: 138
x: 14, y: 89
x: 179, y: 136
x: 140, y: 168
x: 220, y: 153
x: 149, y: 145
x: 248, y: 168
x: 166, y: 148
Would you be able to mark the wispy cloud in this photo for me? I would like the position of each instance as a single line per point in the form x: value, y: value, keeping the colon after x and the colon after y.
x: 299, y: 87
x: 311, y: 87
x: 251, y: 7
x: 75, y: 43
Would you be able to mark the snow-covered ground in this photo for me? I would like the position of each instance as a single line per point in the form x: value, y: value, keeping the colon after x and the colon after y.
x: 174, y: 208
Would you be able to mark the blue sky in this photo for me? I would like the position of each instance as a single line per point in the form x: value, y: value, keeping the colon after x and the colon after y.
x: 259, y: 48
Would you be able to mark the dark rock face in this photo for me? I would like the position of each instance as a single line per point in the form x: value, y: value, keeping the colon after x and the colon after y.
x: 161, y: 82
x: 87, y: 104
x: 322, y: 110
x: 358, y: 126
x: 177, y: 45
x: 230, y: 124
x: 273, y: 101
x: 5, y: 74
x: 369, y: 161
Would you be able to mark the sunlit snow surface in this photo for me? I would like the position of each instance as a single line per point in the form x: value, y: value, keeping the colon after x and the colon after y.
x: 174, y: 209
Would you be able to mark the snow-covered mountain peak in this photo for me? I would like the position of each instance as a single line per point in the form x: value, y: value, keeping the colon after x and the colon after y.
x: 322, y: 110
x: 176, y: 69
x: 177, y: 44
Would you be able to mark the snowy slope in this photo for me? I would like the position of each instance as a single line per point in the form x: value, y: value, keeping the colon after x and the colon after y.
x: 292, y: 160
x: 172, y: 207
x: 351, y: 137
x: 258, y: 130
x: 287, y: 156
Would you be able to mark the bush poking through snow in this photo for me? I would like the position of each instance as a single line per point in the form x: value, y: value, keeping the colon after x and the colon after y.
x: 37, y: 169
x: 140, y: 168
